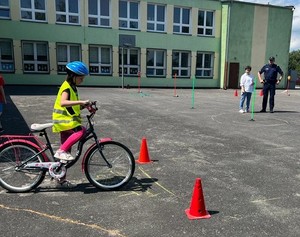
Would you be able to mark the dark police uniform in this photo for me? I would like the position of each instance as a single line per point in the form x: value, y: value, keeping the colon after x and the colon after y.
x: 270, y: 79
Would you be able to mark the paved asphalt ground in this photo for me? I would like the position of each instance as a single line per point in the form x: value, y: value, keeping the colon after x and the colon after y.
x: 250, y: 170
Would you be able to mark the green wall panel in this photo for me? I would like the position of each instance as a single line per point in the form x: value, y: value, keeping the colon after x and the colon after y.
x: 279, y: 30
x: 241, y: 32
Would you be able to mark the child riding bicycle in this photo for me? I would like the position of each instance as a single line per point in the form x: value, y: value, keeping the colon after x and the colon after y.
x: 66, y: 112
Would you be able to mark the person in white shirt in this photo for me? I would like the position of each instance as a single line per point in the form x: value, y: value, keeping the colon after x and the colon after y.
x: 246, y: 83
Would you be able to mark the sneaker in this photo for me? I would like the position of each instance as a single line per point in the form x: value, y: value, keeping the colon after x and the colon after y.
x: 263, y: 111
x: 241, y: 111
x: 65, y: 184
x: 247, y: 110
x: 271, y: 111
x: 62, y: 155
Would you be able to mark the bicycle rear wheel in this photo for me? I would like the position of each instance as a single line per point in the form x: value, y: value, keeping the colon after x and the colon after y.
x: 108, y: 178
x: 14, y: 176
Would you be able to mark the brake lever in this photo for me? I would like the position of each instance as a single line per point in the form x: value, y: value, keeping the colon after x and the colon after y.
x: 92, y: 108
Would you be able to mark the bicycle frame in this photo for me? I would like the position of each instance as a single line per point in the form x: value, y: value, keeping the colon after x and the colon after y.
x: 90, y: 134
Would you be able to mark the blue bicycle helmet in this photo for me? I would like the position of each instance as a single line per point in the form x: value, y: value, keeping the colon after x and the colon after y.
x: 78, y: 68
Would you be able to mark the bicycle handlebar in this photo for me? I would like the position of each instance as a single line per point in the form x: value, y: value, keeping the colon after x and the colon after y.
x: 92, y: 107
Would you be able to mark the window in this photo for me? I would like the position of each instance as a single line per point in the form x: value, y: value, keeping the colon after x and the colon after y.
x: 35, y: 57
x: 128, y: 15
x: 131, y: 58
x: 67, y: 11
x: 33, y: 10
x: 156, y: 62
x: 4, y: 9
x: 65, y: 54
x: 99, y: 12
x: 206, y: 23
x: 181, y: 20
x: 100, y: 60
x: 181, y: 63
x: 6, y: 56
x: 156, y: 18
x: 204, y: 64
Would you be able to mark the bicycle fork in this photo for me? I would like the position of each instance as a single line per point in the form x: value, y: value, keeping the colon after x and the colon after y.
x: 100, y: 150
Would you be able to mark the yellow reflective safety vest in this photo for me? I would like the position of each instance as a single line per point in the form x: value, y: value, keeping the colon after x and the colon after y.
x: 62, y: 119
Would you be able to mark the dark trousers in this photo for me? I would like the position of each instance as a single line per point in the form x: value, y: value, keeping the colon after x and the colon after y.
x: 268, y: 87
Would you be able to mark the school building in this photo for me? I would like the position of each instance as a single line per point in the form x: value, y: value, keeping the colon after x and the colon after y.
x: 150, y: 43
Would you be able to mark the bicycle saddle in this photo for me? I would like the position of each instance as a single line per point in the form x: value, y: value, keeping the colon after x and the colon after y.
x: 39, y: 127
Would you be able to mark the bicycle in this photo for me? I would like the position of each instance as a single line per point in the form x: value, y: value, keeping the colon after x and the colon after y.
x: 25, y: 160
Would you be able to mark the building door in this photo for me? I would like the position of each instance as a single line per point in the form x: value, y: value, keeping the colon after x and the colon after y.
x: 233, y: 82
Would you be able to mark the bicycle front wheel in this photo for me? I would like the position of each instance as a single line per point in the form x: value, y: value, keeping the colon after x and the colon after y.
x: 14, y: 176
x: 106, y: 177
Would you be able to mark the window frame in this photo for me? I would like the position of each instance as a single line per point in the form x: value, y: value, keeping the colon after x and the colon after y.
x: 61, y: 65
x: 7, y: 65
x: 155, y: 22
x: 99, y: 65
x: 180, y: 69
x: 99, y: 17
x: 155, y: 67
x: 33, y: 11
x: 180, y: 24
x: 67, y: 13
x: 35, y: 62
x: 5, y: 8
x: 128, y: 67
x: 204, y: 27
x: 203, y: 68
x: 128, y: 18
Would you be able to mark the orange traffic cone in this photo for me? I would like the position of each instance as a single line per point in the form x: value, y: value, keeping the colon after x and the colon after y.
x: 261, y: 93
x: 236, y: 93
x: 144, y: 154
x: 197, y: 208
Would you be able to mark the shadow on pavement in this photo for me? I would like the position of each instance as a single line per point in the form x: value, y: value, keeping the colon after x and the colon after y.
x: 137, y: 185
x: 31, y: 90
x: 276, y: 111
x: 12, y: 120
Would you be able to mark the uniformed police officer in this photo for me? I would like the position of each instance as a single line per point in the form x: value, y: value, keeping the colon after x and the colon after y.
x: 270, y: 81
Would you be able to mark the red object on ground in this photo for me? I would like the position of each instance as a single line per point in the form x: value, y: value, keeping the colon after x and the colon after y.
x: 144, y: 157
x: 261, y: 93
x: 197, y: 208
x: 236, y: 93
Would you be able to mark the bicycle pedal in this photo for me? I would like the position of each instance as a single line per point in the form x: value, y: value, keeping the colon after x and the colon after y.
x: 63, y: 161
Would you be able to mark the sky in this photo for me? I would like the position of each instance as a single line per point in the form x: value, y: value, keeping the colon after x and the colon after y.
x: 295, y: 38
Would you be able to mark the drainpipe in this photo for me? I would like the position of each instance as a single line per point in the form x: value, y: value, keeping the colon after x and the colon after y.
x: 226, y: 72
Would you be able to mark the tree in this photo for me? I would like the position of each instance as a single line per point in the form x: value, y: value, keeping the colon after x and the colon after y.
x: 294, y: 61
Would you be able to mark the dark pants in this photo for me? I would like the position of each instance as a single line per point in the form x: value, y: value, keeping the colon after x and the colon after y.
x: 268, y: 87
